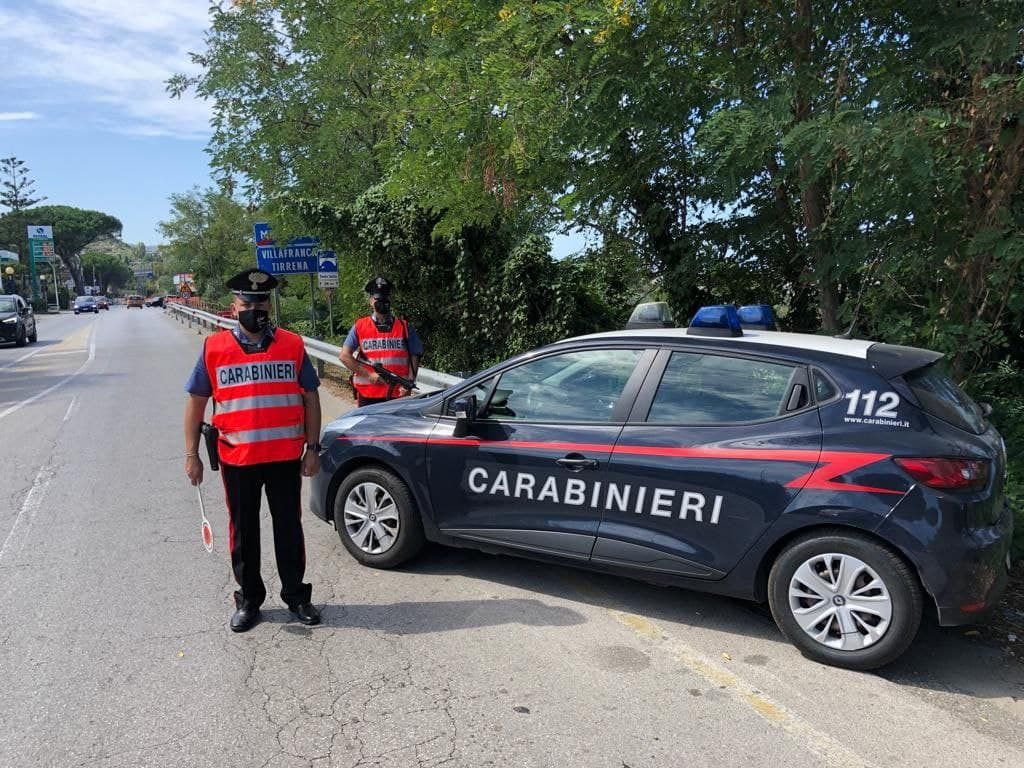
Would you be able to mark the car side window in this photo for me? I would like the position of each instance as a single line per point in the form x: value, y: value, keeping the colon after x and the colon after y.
x: 714, y: 389
x: 582, y: 386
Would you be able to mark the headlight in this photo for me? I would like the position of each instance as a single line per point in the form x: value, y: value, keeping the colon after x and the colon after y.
x: 11, y: 320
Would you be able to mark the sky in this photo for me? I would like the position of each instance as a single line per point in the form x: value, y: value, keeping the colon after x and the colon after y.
x: 83, y: 103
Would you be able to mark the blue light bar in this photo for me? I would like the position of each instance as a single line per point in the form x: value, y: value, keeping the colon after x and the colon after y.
x: 716, y: 320
x: 759, y: 316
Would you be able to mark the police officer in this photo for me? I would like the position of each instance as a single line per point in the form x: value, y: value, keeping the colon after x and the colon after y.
x: 267, y: 411
x: 381, y: 338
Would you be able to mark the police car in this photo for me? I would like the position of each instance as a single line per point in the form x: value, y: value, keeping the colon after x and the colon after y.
x: 845, y: 482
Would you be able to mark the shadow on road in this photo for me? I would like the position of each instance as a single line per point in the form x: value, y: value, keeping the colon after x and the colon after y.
x: 406, y: 618
x: 941, y: 659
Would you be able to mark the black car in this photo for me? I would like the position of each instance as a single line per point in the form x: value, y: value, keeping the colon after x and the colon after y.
x: 86, y: 304
x: 17, y: 321
x: 844, y: 482
x: 103, y: 302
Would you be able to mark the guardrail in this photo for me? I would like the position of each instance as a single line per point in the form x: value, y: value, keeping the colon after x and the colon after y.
x: 320, y: 351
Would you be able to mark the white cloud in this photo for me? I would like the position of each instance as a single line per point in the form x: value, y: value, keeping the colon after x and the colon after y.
x: 109, y: 60
x: 8, y: 116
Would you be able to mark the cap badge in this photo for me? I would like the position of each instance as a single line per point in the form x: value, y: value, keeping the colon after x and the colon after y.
x: 257, y: 279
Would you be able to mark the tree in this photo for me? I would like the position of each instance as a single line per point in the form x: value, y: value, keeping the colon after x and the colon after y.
x: 209, y: 234
x: 111, y: 272
x: 17, y: 188
x: 73, y: 230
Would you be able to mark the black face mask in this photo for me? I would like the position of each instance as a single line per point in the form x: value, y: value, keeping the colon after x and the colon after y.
x: 382, y: 306
x: 254, y: 320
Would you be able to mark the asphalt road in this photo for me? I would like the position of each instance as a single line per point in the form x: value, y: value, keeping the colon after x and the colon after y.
x: 115, y: 651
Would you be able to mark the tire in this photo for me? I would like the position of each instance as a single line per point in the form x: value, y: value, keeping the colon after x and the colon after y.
x: 860, y: 624
x: 34, y: 336
x: 21, y: 340
x: 366, y: 492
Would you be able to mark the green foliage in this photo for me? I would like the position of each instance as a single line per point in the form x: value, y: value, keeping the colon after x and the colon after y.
x: 110, y: 271
x: 73, y: 230
x: 16, y: 187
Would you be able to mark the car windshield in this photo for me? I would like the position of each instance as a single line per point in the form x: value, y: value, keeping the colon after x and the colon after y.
x: 84, y: 300
x: 7, y: 305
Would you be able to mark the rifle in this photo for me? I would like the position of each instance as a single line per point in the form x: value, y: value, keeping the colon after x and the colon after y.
x: 390, y: 377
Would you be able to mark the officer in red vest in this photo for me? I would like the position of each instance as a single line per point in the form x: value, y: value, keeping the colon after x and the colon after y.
x: 381, y: 338
x: 267, y: 411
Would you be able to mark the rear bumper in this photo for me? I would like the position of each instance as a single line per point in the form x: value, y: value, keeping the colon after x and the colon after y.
x: 965, y: 573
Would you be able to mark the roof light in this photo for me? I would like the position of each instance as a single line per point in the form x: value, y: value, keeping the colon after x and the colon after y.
x: 758, y: 316
x: 716, y: 320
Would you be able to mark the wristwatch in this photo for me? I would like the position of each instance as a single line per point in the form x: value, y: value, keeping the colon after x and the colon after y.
x: 313, y: 447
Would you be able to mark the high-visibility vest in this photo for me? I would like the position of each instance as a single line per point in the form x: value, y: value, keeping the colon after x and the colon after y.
x: 389, y: 348
x: 258, y: 405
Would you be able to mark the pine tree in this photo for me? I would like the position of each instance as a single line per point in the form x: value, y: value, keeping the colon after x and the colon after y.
x: 17, y: 188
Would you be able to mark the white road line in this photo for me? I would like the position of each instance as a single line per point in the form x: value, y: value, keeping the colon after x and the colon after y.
x: 23, y: 357
x: 58, y: 385
x: 29, y: 507
x: 62, y: 352
x: 71, y: 405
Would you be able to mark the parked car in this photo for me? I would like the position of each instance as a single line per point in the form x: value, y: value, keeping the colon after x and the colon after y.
x: 103, y: 302
x: 850, y: 485
x: 17, y: 321
x: 86, y: 304
x: 134, y: 300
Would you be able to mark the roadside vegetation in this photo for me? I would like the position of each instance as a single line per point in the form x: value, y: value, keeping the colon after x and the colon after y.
x: 858, y: 166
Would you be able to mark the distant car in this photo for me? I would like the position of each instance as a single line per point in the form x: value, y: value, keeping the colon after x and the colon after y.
x: 134, y: 301
x: 155, y: 301
x: 17, y: 322
x: 103, y: 302
x: 86, y: 304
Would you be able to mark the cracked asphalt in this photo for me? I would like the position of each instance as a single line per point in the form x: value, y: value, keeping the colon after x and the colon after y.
x: 115, y: 651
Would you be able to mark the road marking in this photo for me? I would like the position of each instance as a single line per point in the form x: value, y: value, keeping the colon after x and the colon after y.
x: 64, y: 352
x: 23, y: 357
x: 819, y: 743
x: 70, y: 406
x: 29, y: 507
x: 58, y: 385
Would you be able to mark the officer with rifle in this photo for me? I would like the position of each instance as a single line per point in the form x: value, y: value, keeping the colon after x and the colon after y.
x: 382, y: 351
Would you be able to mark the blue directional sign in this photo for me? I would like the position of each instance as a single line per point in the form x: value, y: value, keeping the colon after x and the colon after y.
x: 298, y: 257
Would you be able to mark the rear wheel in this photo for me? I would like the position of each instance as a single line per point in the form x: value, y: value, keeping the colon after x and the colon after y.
x: 376, y: 518
x: 844, y: 599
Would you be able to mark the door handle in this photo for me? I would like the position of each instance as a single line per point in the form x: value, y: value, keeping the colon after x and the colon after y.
x: 576, y: 462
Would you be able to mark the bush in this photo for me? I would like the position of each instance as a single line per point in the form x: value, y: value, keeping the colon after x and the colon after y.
x: 1003, y: 389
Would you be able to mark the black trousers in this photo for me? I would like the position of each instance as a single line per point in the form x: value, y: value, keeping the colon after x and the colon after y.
x: 361, y: 401
x: 242, y: 491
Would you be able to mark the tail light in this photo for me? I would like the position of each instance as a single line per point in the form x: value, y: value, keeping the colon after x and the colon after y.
x: 947, y: 474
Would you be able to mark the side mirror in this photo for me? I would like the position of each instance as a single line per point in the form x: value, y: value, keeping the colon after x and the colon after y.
x: 986, y: 409
x: 465, y: 414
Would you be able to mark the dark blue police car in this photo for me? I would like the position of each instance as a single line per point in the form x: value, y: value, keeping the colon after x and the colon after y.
x: 846, y: 482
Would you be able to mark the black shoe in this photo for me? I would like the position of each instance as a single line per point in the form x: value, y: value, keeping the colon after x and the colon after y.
x: 306, y: 613
x: 244, y: 619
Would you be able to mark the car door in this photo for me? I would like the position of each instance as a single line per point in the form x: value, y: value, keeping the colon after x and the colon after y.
x: 714, y: 451
x: 528, y: 474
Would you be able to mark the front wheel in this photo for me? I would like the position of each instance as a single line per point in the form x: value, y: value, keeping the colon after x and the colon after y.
x: 844, y: 599
x: 34, y: 336
x: 376, y: 518
x: 21, y: 340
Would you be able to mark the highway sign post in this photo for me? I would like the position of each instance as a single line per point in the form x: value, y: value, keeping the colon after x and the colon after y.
x: 297, y: 257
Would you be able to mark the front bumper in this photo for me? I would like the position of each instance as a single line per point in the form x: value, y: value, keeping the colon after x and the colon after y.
x: 319, y: 486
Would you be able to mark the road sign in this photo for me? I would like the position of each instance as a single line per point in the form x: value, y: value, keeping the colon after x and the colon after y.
x: 40, y: 232
x: 327, y: 271
x: 40, y: 248
x: 297, y: 257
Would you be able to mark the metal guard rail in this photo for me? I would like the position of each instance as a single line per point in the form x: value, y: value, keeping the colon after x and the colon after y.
x: 324, y: 353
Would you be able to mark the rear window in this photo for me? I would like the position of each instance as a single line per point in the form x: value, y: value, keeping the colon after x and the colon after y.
x: 942, y: 398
